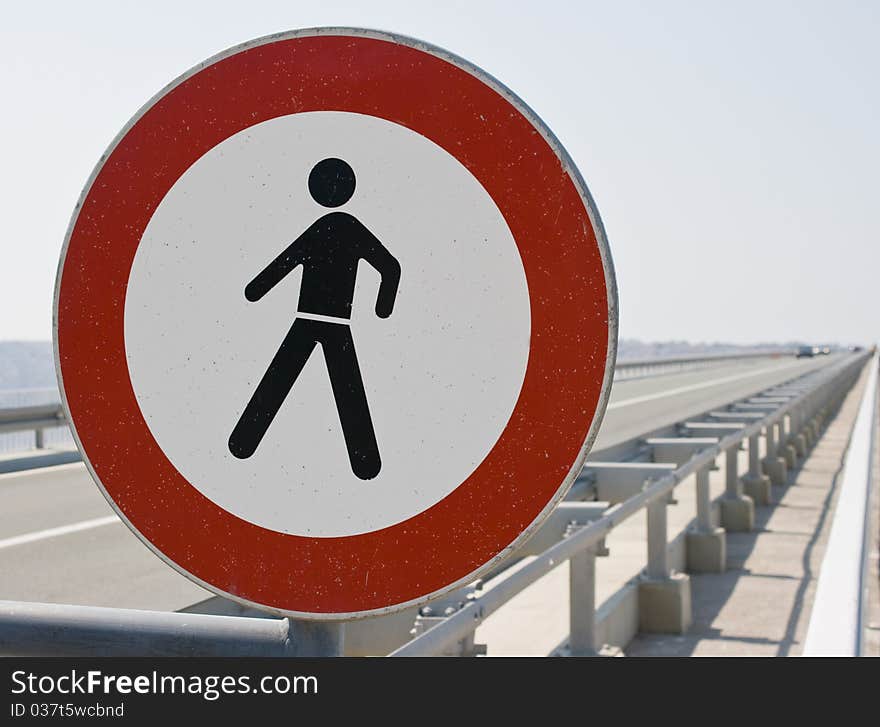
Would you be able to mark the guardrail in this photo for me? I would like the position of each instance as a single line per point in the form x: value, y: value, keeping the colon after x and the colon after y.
x: 32, y: 418
x: 807, y: 406
x: 575, y: 532
x: 37, y: 418
x: 639, y: 368
x: 48, y: 629
x: 837, y: 621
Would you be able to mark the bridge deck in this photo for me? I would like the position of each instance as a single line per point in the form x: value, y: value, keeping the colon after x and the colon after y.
x: 105, y: 565
x: 761, y: 605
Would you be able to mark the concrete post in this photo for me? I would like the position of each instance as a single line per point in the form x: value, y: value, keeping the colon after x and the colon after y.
x: 774, y: 466
x: 732, y: 486
x: 664, y: 598
x: 786, y: 449
x: 798, y: 439
x: 816, y: 419
x: 658, y: 560
x: 806, y: 415
x: 737, y: 510
x: 756, y: 484
x: 704, y: 501
x: 706, y: 544
x: 39, y: 438
x: 582, y: 603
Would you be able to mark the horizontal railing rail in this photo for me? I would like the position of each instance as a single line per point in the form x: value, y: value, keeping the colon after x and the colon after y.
x: 24, y: 417
x: 38, y: 417
x: 837, y: 621
x: 634, y: 368
x: 708, y: 358
x: 574, y: 533
x: 48, y: 629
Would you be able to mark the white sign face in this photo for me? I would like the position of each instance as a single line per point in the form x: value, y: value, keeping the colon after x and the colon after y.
x: 441, y: 374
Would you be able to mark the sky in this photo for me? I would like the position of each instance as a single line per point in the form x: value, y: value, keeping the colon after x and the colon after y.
x: 732, y: 148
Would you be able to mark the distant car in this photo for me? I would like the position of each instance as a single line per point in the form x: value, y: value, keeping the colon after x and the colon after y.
x: 805, y: 352
x: 825, y: 350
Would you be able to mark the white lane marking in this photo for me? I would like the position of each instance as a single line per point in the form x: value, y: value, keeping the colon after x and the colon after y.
x: 694, y: 387
x: 55, y: 532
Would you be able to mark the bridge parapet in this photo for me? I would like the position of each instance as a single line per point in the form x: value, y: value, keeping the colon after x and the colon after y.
x: 577, y: 534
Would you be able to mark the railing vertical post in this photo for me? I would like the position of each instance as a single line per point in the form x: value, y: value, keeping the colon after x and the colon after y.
x: 582, y: 602
x: 797, y: 436
x: 804, y: 425
x: 39, y: 438
x: 774, y: 465
x: 658, y: 561
x: 732, y: 485
x: 737, y: 510
x: 754, y: 457
x: 770, y: 435
x: 704, y: 502
x: 815, y: 422
x: 755, y: 484
x: 664, y: 597
x: 706, y: 545
x: 785, y: 449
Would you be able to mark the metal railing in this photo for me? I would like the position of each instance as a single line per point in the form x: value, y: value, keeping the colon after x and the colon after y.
x: 32, y: 419
x: 575, y: 532
x: 48, y: 629
x: 37, y: 417
x: 626, y: 369
x: 837, y: 621
x: 808, y: 404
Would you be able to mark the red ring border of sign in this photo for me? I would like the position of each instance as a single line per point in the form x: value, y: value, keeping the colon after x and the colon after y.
x: 565, y: 390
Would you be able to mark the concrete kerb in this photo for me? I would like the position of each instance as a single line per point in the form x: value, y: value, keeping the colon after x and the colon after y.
x: 789, y: 454
x: 665, y: 605
x: 759, y: 488
x: 776, y: 469
x: 707, y: 551
x: 738, y: 513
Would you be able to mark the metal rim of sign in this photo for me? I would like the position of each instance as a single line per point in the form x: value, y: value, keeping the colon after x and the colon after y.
x: 609, y: 320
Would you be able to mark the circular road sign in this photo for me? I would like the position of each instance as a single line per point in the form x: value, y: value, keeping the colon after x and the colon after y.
x: 335, y: 323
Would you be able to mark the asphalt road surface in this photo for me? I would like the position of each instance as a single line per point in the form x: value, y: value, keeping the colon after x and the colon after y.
x: 60, y: 541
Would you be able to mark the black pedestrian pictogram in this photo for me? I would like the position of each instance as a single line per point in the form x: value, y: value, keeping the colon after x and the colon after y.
x: 329, y: 251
